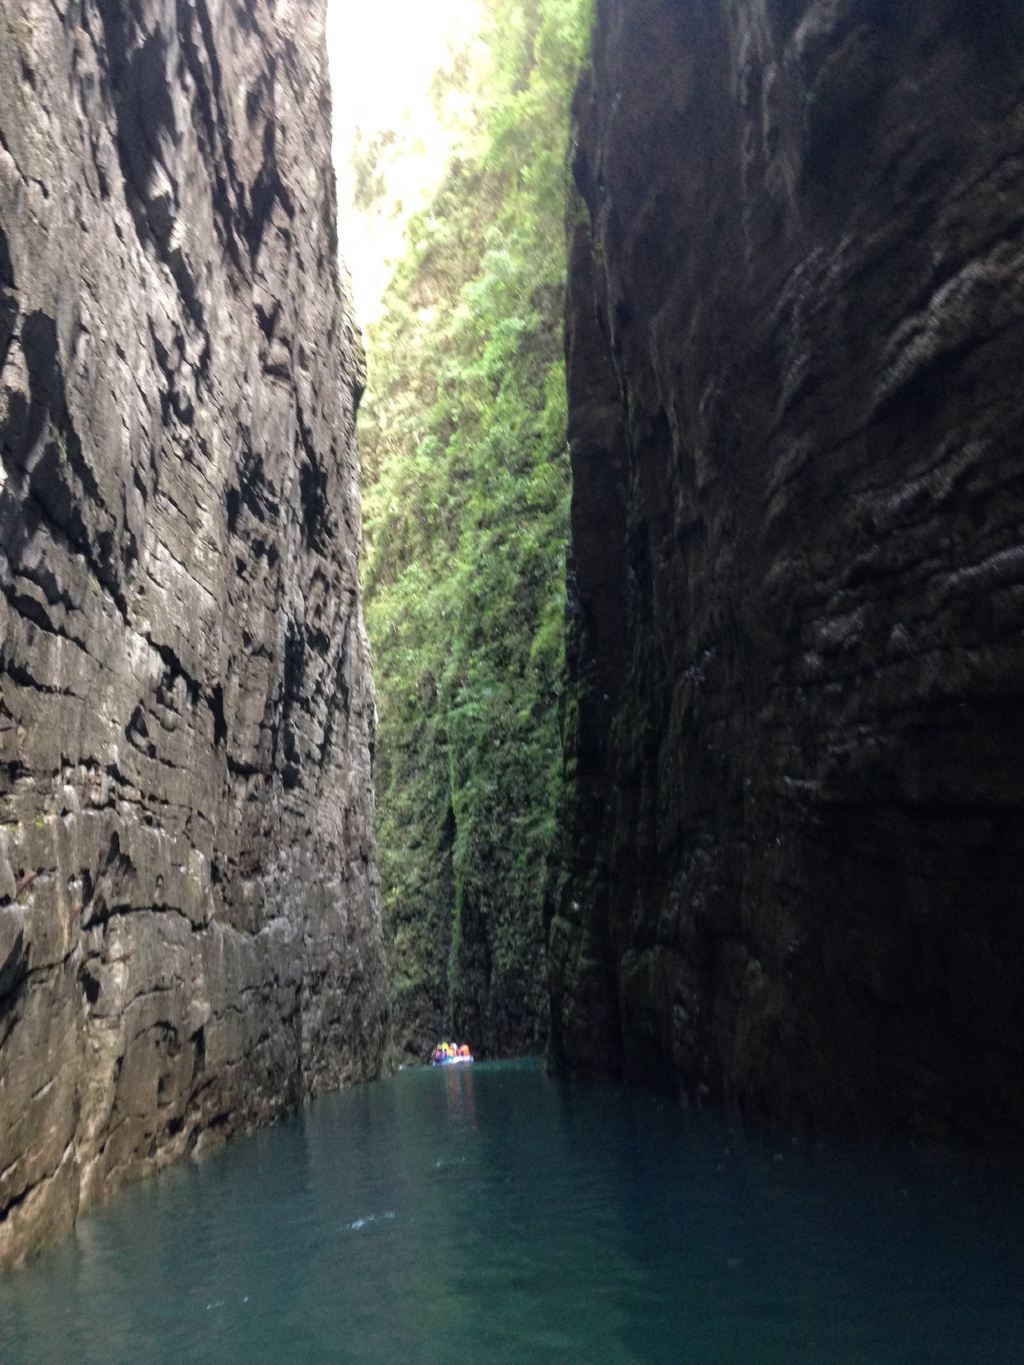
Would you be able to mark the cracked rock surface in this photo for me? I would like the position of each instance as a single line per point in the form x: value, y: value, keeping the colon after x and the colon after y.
x: 189, y: 922
x: 796, y: 750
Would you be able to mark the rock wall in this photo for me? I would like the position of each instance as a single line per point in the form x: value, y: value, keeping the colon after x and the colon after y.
x: 189, y: 922
x: 796, y: 747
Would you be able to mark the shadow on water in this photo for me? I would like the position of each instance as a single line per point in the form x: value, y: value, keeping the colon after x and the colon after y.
x: 493, y: 1214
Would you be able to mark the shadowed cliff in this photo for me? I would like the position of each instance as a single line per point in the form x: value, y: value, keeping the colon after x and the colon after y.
x: 796, y: 743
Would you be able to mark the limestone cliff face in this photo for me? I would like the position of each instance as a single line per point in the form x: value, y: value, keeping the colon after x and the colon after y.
x: 797, y: 748
x: 189, y: 922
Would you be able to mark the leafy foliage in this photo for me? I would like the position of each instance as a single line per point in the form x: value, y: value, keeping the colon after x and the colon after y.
x: 466, y: 514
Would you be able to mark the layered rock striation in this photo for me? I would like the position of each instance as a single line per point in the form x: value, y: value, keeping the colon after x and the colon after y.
x: 189, y: 922
x: 796, y: 746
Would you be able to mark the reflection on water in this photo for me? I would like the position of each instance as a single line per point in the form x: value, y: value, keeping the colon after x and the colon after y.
x: 489, y: 1213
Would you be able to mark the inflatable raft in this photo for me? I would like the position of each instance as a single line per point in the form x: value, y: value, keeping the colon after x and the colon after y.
x: 451, y: 1059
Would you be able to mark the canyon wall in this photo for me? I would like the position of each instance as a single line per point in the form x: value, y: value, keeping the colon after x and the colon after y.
x: 190, y: 932
x: 795, y: 745
x: 466, y: 495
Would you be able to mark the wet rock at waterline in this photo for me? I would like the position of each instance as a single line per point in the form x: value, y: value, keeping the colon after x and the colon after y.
x: 189, y: 924
x: 797, y: 745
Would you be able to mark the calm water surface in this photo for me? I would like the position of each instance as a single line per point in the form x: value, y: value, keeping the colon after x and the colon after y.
x: 492, y: 1214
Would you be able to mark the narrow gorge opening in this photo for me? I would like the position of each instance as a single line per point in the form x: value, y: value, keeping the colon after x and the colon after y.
x: 453, y: 176
x: 723, y: 808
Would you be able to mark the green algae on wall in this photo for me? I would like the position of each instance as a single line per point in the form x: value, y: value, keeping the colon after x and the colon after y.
x: 466, y: 488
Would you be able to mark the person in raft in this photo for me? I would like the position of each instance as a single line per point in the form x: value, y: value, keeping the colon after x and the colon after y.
x: 446, y: 1050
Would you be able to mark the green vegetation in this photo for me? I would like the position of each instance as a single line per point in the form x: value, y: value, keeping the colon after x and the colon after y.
x: 466, y: 489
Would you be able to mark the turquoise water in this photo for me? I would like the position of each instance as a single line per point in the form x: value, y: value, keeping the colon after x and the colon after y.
x: 492, y: 1214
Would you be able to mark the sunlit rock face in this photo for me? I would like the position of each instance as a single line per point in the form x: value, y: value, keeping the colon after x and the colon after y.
x: 189, y: 923
x: 796, y: 328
